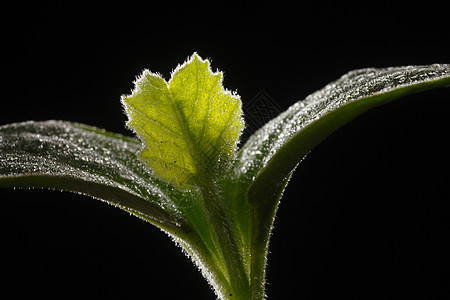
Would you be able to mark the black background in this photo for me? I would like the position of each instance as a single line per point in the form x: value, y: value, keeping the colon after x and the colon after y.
x: 366, y: 215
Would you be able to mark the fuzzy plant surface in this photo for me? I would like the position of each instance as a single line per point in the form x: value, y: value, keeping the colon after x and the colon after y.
x: 185, y: 173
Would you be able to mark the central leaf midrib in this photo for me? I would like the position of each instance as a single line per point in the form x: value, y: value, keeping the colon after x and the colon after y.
x: 185, y: 132
x: 194, y: 146
x: 201, y: 181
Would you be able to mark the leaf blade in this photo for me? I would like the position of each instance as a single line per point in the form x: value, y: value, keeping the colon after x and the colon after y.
x: 357, y: 91
x: 83, y: 159
x: 87, y: 160
x: 190, y: 125
x: 267, y: 160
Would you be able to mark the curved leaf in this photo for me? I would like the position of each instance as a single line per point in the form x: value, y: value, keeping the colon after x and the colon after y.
x: 266, y: 161
x: 79, y: 158
x: 84, y: 159
x: 279, y: 145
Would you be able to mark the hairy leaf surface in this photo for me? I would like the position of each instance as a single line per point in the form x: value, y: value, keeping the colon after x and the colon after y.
x: 88, y: 160
x: 267, y: 160
x: 190, y: 126
x: 84, y: 159
x: 282, y: 143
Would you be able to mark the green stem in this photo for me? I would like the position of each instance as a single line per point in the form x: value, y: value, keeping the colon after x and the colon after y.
x: 227, y: 246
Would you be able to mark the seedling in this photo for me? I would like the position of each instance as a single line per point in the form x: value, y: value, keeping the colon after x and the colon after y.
x: 185, y: 173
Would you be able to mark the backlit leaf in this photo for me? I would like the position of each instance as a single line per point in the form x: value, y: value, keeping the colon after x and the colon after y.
x: 190, y: 126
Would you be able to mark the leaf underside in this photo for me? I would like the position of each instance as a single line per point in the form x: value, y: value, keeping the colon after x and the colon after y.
x: 76, y: 157
x: 79, y: 158
x: 266, y: 162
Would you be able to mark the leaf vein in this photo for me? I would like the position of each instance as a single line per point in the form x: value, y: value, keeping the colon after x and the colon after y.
x: 157, y: 122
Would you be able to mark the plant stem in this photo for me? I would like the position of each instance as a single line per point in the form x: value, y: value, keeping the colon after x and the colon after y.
x: 227, y: 246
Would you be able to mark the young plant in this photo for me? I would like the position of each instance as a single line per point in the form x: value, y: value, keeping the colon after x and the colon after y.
x: 185, y: 174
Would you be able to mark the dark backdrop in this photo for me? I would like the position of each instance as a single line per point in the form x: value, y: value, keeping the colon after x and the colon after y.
x: 366, y: 215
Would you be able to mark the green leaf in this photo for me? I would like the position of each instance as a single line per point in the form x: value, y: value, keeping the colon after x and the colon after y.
x: 87, y: 160
x: 190, y: 126
x: 266, y: 162
x: 84, y: 159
